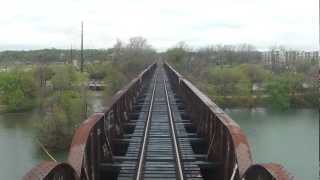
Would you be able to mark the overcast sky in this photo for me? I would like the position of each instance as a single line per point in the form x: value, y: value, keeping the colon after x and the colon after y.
x: 33, y: 24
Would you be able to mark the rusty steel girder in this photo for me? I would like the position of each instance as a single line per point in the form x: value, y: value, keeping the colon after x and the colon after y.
x: 48, y: 170
x: 227, y: 142
x: 267, y: 171
x: 92, y: 143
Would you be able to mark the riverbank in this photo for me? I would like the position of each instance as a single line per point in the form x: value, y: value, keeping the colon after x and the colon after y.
x: 262, y: 101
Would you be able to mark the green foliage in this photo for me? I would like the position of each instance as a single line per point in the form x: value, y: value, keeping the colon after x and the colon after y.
x: 228, y: 86
x: 61, y: 80
x: 96, y: 71
x: 64, y: 107
x: 53, y: 56
x: 278, y: 89
x: 127, y: 61
x: 73, y: 105
x: 18, y: 90
x: 65, y: 77
x: 177, y: 56
x: 43, y: 74
x: 54, y: 133
x: 133, y: 57
x: 255, y: 73
x: 228, y: 81
x: 236, y: 76
x: 67, y: 109
x: 114, y: 79
x: 295, y: 81
x: 282, y: 89
x: 243, y: 88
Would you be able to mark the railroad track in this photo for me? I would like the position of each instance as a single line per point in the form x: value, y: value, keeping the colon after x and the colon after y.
x: 160, y: 156
x: 160, y: 142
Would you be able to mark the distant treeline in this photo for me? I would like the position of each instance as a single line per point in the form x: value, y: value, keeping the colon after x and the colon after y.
x: 53, y: 55
x: 236, y: 76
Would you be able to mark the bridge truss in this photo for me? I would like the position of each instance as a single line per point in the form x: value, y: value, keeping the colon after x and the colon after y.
x: 159, y: 126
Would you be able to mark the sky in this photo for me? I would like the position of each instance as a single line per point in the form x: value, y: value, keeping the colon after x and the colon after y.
x: 36, y: 24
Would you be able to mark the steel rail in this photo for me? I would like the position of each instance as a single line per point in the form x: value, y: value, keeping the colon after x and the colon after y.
x: 173, y: 132
x: 147, y: 127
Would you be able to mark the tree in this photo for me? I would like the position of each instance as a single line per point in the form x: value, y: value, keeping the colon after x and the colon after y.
x: 114, y: 80
x: 18, y: 90
x: 97, y: 71
x: 61, y: 80
x: 229, y: 81
x: 65, y: 77
x: 43, y: 73
x: 278, y: 93
x: 65, y: 110
x: 179, y: 56
x: 254, y: 72
x: 133, y: 57
x: 282, y: 88
x: 138, y: 43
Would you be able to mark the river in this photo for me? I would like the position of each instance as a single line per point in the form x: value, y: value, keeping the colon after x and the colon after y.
x: 289, y: 138
x: 18, y: 149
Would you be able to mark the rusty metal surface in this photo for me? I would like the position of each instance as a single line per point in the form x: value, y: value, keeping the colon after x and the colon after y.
x: 79, y: 142
x: 268, y: 171
x: 40, y: 171
x: 48, y: 169
x: 277, y: 171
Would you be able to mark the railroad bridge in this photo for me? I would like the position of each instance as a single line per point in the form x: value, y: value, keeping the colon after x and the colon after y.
x: 159, y: 126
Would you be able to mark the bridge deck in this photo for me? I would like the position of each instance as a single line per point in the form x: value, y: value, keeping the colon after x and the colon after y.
x: 160, y: 157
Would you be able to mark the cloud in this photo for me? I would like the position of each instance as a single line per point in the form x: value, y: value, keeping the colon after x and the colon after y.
x: 44, y: 24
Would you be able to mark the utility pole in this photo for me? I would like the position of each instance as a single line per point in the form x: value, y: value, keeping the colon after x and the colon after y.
x: 71, y: 55
x: 81, y: 53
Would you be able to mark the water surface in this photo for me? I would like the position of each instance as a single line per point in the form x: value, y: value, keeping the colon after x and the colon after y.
x: 290, y: 138
x: 19, y: 150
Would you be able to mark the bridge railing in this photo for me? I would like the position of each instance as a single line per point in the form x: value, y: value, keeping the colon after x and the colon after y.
x: 227, y: 143
x: 48, y: 170
x: 267, y: 171
x: 92, y: 141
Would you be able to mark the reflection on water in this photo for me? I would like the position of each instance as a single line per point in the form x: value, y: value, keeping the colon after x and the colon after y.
x: 290, y: 138
x: 96, y: 101
x: 19, y: 150
x: 18, y: 147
